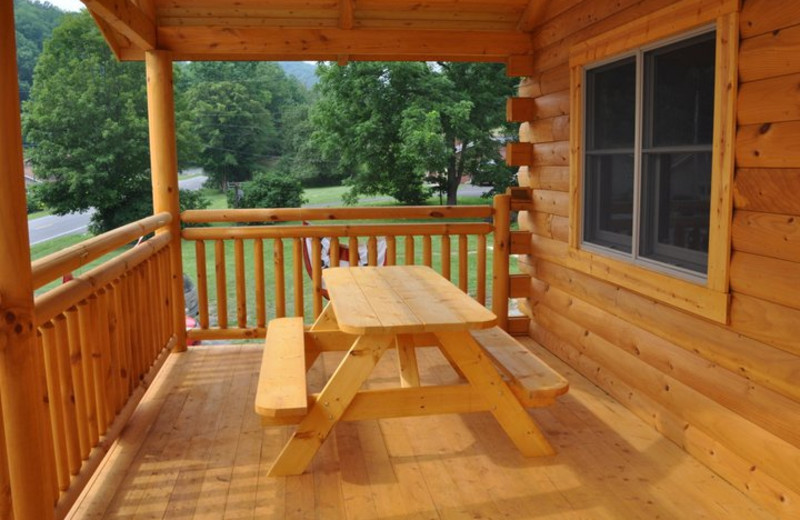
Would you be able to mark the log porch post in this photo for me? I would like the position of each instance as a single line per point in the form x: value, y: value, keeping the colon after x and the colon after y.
x: 164, y: 167
x: 500, y: 260
x: 18, y: 374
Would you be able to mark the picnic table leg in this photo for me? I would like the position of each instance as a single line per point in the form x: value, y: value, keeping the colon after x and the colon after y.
x: 481, y: 373
x: 407, y: 358
x: 331, y: 405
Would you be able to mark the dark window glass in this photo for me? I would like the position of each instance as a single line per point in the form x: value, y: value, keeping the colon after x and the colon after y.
x: 611, y: 107
x: 672, y: 169
x: 680, y: 93
x: 675, y: 208
x: 608, y: 214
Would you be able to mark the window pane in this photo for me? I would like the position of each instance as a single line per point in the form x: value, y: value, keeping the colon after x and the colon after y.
x: 680, y: 93
x: 611, y: 106
x: 675, y: 208
x: 608, y: 211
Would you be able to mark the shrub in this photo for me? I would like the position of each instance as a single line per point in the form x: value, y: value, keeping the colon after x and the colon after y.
x: 268, y: 190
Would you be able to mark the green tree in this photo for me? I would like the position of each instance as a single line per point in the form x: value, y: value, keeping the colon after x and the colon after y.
x: 33, y: 23
x: 86, y: 123
x: 237, y: 112
x: 389, y: 127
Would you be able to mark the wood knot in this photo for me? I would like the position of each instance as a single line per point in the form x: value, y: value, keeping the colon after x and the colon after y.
x: 763, y: 129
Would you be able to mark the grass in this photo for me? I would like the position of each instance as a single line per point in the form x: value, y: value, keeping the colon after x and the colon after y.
x: 39, y: 214
x: 57, y: 244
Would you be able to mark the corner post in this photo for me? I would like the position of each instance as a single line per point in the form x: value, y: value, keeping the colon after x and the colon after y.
x: 19, y: 377
x: 164, y: 168
x: 500, y: 261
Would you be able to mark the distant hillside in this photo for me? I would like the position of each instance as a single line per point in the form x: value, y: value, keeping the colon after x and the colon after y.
x: 304, y: 72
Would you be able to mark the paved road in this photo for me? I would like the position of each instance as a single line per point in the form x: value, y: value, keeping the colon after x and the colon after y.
x: 52, y: 226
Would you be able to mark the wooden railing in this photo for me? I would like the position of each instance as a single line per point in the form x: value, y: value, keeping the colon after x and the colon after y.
x: 101, y: 337
x: 453, y: 240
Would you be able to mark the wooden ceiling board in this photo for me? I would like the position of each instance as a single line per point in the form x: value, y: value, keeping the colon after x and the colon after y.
x: 321, y: 29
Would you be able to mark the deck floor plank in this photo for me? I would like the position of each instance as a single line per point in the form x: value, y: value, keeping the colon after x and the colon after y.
x: 197, y: 450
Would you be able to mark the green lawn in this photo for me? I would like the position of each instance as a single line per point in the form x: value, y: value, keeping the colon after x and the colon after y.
x: 39, y: 214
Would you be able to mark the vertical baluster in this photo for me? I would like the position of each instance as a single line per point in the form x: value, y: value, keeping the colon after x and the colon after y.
x: 136, y: 329
x: 481, y: 267
x: 101, y: 357
x: 78, y: 381
x: 427, y: 255
x: 372, y: 251
x: 409, y: 250
x: 297, y: 269
x: 391, y: 250
x: 115, y: 335
x: 151, y: 302
x: 166, y: 296
x: 336, y: 252
x: 261, y: 298
x: 68, y: 400
x: 446, y: 256
x: 47, y: 445
x: 51, y: 373
x: 202, y: 282
x: 154, y: 294
x: 123, y: 349
x: 87, y: 341
x: 280, y: 279
x: 222, y: 286
x: 145, y: 290
x: 241, y: 294
x: 316, y: 275
x: 163, y: 295
x: 162, y: 304
x: 463, y: 263
x: 352, y: 245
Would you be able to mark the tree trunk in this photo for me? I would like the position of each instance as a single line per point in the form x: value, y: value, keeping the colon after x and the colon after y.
x: 453, y: 178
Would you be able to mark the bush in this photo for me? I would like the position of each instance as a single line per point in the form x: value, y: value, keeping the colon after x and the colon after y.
x: 268, y: 190
x: 34, y: 200
x: 190, y: 199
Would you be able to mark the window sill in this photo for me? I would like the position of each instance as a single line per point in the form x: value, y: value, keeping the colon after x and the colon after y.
x: 690, y: 297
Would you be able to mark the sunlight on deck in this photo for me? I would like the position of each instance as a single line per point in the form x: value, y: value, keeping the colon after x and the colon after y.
x: 196, y: 449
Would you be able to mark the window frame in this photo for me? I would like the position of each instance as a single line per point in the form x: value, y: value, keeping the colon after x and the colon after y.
x: 707, y: 296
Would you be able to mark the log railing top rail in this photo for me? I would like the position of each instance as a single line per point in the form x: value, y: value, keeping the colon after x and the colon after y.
x: 321, y: 231
x: 338, y: 213
x: 62, y: 262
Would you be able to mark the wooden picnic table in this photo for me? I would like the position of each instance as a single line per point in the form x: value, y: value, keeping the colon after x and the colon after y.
x: 377, y: 308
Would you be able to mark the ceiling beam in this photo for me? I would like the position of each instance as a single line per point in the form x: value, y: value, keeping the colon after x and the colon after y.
x: 318, y: 44
x: 532, y: 15
x: 346, y: 14
x: 127, y: 19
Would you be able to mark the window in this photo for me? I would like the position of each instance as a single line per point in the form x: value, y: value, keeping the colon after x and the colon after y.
x: 649, y: 119
x: 652, y: 132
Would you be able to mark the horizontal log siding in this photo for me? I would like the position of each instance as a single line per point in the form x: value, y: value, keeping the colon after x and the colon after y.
x: 727, y: 394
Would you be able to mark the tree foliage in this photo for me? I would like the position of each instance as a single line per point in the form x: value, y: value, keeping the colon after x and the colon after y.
x: 389, y: 127
x: 33, y: 23
x: 236, y: 112
x: 87, y: 126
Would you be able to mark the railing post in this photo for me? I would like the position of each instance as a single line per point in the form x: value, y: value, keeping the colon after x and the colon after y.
x: 501, y: 220
x: 164, y: 167
x: 19, y: 380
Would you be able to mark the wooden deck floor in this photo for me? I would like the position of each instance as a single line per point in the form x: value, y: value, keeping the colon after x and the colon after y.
x: 196, y: 449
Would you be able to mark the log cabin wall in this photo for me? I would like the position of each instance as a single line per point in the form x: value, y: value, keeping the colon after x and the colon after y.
x: 728, y: 394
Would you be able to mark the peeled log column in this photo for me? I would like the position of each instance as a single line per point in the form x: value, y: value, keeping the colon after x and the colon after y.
x: 164, y: 166
x: 23, y: 431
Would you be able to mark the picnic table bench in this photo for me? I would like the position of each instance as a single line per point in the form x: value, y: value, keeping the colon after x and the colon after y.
x: 373, y: 309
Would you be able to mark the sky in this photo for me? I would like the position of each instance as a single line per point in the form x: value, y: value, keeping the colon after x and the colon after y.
x: 67, y: 5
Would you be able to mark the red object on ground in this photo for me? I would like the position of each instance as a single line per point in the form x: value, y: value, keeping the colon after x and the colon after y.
x: 190, y: 324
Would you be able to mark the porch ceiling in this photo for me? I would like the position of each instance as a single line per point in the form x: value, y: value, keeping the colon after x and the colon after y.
x: 330, y: 30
